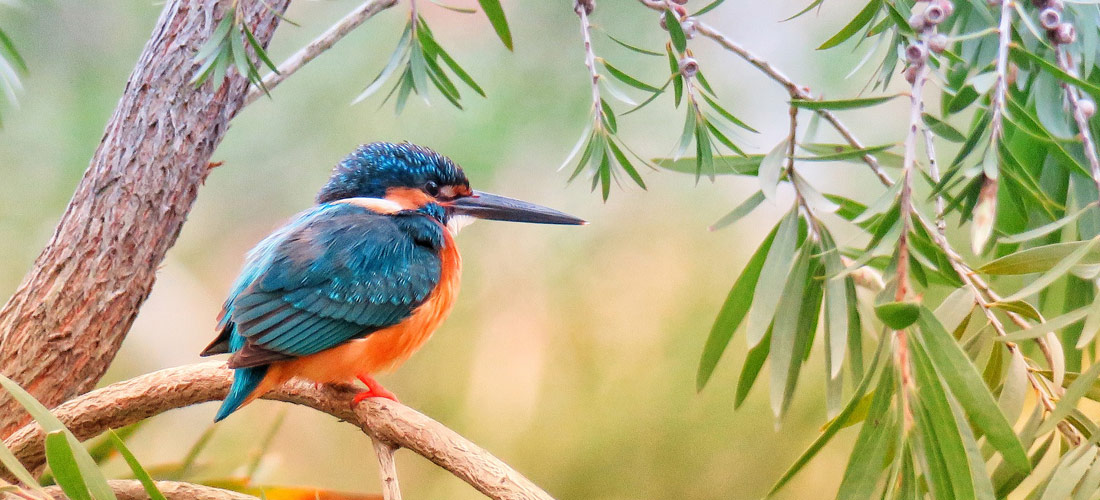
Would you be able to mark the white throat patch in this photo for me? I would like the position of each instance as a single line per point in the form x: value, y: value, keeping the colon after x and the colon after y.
x: 457, y: 222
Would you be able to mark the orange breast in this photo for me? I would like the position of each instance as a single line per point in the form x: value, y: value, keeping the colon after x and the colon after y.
x: 384, y: 349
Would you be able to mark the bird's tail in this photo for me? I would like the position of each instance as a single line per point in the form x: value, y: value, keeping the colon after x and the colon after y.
x: 245, y: 382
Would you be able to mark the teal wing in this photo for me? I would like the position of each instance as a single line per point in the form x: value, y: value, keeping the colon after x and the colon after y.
x: 337, y: 273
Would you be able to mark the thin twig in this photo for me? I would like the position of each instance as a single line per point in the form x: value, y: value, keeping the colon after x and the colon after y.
x: 387, y: 469
x: 127, y: 402
x: 581, y: 8
x: 132, y: 489
x: 934, y: 173
x: 320, y: 44
x: 1000, y: 87
x: 1079, y: 116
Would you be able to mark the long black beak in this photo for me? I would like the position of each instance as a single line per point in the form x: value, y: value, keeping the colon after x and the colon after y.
x: 494, y: 207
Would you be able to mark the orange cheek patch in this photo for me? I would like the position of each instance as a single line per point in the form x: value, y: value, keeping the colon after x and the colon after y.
x: 408, y: 198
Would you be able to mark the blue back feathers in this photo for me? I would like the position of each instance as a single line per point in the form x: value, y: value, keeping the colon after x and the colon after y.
x: 338, y: 271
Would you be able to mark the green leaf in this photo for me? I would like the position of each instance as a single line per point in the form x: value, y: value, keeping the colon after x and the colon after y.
x: 135, y: 467
x: 627, y: 79
x: 709, y: 7
x: 430, y: 44
x: 738, y: 165
x: 675, y: 31
x: 754, y: 360
x: 13, y: 54
x: 454, y: 8
x: 399, y: 53
x: 624, y: 163
x: 898, y: 315
x: 966, y: 384
x: 776, y: 267
x: 836, y: 424
x: 1039, y: 259
x: 260, y: 51
x: 876, y: 436
x: 745, y: 208
x: 1046, y: 228
x: 847, y: 154
x: 939, y: 431
x: 1020, y: 307
x: 59, y: 456
x: 1050, y: 325
x: 733, y: 312
x: 771, y: 169
x: 943, y: 129
x: 1068, y: 401
x: 1055, y: 272
x: 858, y: 22
x: 841, y: 104
x: 1023, y: 54
x: 788, y: 338
x: 1069, y: 473
x: 726, y: 114
x: 495, y: 13
x: 16, y: 468
x: 633, y: 47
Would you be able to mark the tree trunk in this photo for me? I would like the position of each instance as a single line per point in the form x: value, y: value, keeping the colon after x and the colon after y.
x: 61, y: 329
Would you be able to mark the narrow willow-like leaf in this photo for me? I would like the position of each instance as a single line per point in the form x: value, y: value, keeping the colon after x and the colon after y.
x: 495, y: 13
x: 59, y: 456
x: 857, y: 23
x: 709, y: 7
x: 1069, y: 473
x: 786, y: 357
x: 1046, y: 229
x: 885, y: 202
x: 1068, y: 401
x: 1020, y: 307
x: 847, y: 154
x: 1092, y: 324
x: 627, y: 79
x: 771, y: 169
x: 983, y: 485
x: 745, y: 208
x: 738, y: 165
x: 399, y: 53
x: 16, y: 468
x: 962, y: 377
x: 135, y: 467
x: 675, y: 31
x: 727, y: 115
x: 841, y: 104
x: 732, y: 313
x: 1039, y: 259
x: 634, y: 48
x: 1055, y: 272
x: 836, y: 307
x: 1090, y: 483
x: 431, y: 45
x: 624, y: 163
x: 813, y: 197
x: 1055, y: 71
x: 865, y: 462
x: 943, y: 129
x: 939, y: 431
x: 1048, y: 326
x: 754, y: 360
x: 776, y: 267
x: 1015, y: 388
x: 842, y: 420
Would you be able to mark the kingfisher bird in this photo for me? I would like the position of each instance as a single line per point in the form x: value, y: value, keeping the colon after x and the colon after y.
x: 354, y: 285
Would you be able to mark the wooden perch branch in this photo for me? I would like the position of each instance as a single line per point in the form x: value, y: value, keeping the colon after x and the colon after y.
x: 131, y: 489
x: 124, y: 403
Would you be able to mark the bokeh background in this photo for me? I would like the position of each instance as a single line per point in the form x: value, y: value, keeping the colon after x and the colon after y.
x: 572, y: 352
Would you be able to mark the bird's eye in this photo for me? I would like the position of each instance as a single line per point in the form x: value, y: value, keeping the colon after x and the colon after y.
x: 431, y: 188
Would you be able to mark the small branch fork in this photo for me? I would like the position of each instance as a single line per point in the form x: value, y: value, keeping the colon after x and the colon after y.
x: 983, y: 294
x: 389, y: 423
x: 320, y: 44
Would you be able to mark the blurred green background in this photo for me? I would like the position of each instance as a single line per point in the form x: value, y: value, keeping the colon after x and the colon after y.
x: 572, y: 352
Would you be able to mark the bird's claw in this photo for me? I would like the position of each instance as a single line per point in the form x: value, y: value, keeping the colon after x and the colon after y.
x: 374, y: 390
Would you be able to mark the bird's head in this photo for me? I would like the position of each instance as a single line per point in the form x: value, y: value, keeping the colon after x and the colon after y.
x: 415, y: 177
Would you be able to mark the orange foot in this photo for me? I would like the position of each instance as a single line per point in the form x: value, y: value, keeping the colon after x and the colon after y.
x: 374, y: 390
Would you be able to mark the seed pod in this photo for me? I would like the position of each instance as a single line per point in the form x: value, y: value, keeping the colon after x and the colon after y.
x: 948, y: 7
x: 587, y: 5
x: 1065, y: 33
x: 661, y: 22
x: 938, y: 43
x: 688, y: 27
x: 911, y: 72
x: 1087, y: 107
x: 680, y: 2
x: 689, y: 67
x: 1050, y: 18
x: 916, y: 53
x: 934, y: 14
x: 916, y: 21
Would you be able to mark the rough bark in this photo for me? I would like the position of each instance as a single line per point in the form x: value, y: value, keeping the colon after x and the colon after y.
x: 65, y: 322
x: 124, y: 403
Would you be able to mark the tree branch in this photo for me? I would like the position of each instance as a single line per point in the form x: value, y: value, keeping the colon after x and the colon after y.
x: 387, y: 469
x: 320, y: 44
x: 131, y: 489
x: 124, y: 403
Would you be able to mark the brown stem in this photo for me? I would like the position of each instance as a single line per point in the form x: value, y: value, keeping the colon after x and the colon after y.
x: 1079, y: 116
x: 581, y: 8
x: 65, y: 322
x: 131, y: 489
x: 387, y: 469
x: 320, y: 44
x: 124, y: 403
